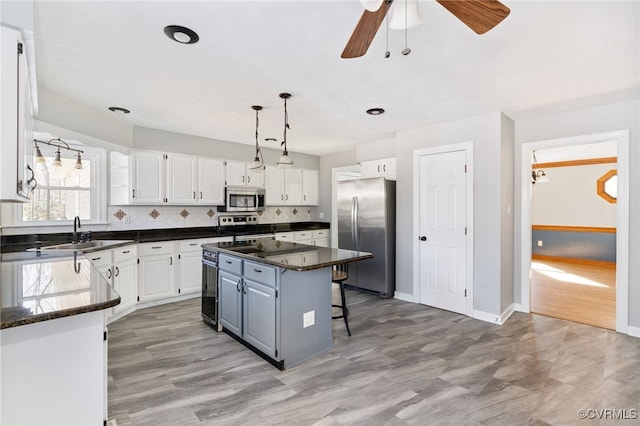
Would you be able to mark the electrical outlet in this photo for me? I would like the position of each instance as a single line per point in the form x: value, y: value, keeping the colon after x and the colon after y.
x: 308, y: 319
x: 321, y: 215
x: 539, y: 243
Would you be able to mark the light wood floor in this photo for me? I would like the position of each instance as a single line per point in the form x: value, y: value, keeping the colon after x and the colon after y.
x: 406, y: 364
x: 583, y: 293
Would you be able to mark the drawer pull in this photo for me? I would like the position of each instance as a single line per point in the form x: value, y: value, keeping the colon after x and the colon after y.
x: 229, y: 262
x: 193, y: 244
x: 126, y: 251
x: 257, y: 270
x: 96, y: 258
x: 156, y: 247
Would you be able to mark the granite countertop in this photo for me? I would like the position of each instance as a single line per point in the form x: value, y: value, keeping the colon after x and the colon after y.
x: 42, y: 288
x: 273, y: 252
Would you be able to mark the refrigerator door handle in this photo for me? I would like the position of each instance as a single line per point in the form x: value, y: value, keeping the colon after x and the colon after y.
x: 354, y: 223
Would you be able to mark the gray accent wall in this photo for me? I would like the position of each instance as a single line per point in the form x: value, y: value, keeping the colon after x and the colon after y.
x: 599, y: 119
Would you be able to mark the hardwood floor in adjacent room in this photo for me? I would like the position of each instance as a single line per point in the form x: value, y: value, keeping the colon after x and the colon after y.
x: 406, y: 364
x: 584, y: 293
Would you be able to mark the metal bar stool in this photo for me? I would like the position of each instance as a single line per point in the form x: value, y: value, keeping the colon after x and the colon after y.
x: 338, y: 275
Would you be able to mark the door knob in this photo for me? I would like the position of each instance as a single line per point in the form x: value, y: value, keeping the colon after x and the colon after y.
x: 423, y: 238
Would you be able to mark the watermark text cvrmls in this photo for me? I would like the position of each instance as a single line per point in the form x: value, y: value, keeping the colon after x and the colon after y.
x: 608, y: 413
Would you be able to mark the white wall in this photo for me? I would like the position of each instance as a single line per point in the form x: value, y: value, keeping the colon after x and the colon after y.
x: 571, y: 198
x: 485, y: 132
x: 599, y: 119
x: 507, y: 178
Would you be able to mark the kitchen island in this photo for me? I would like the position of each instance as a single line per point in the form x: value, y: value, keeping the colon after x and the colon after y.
x: 275, y: 296
x: 53, y: 339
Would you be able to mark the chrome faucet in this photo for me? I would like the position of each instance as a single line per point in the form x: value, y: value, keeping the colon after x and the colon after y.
x: 76, y: 225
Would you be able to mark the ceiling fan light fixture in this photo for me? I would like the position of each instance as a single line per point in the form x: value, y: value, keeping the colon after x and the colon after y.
x: 181, y: 34
x: 371, y: 5
x: 402, y: 8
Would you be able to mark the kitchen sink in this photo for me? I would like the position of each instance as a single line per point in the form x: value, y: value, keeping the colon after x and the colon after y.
x: 87, y: 246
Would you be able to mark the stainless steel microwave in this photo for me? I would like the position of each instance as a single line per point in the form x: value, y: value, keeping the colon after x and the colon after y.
x: 240, y: 199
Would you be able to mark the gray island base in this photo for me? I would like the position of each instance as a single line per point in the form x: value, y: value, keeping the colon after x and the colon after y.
x: 275, y: 296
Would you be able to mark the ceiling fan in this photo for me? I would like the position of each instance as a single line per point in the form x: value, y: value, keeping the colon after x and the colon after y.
x: 479, y: 15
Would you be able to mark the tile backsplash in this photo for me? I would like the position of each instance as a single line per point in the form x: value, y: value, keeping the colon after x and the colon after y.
x: 153, y: 217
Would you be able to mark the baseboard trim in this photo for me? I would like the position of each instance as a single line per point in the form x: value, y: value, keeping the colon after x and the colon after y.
x: 633, y: 331
x: 574, y: 260
x: 493, y: 318
x: 519, y: 308
x: 403, y: 296
x: 151, y: 303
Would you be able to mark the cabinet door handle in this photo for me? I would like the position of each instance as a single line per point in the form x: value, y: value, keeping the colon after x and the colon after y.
x: 109, y: 273
x: 194, y: 195
x: 304, y: 198
x: 282, y: 197
x: 201, y: 195
x: 248, y: 179
x: 378, y: 168
x: 170, y: 260
x: 242, y: 179
x: 133, y: 193
x: 117, y: 271
x: 244, y: 288
x: 384, y: 167
x: 286, y: 197
x: 238, y: 285
x: 32, y: 183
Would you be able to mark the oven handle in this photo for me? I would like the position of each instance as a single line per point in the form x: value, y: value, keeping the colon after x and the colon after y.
x: 209, y: 263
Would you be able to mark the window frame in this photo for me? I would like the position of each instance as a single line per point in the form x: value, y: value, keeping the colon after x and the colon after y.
x: 98, y: 190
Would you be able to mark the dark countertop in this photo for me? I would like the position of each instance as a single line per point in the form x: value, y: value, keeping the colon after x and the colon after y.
x: 52, y: 286
x: 17, y: 243
x: 272, y: 252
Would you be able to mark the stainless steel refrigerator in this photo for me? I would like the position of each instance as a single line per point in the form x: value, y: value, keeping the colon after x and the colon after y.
x: 367, y: 222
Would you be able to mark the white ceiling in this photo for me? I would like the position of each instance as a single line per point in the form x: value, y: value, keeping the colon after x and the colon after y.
x: 546, y: 56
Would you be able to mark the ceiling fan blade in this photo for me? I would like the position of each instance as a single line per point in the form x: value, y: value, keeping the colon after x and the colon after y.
x: 479, y: 15
x: 365, y: 31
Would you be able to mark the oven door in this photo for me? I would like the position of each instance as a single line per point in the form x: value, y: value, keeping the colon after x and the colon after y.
x: 210, y: 294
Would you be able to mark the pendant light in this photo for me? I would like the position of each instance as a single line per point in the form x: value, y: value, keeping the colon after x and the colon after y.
x: 258, y: 160
x: 78, y: 165
x: 285, y: 161
x: 57, y: 161
x: 406, y: 49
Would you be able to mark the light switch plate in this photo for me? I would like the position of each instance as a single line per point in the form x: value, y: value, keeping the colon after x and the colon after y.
x: 308, y: 319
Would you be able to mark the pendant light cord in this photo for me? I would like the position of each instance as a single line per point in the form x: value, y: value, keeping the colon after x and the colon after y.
x: 286, y: 125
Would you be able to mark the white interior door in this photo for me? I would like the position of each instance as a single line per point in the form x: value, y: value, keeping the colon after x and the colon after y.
x: 442, y: 233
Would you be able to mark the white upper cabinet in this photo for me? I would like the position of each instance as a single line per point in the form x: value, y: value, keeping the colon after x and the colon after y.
x: 211, y: 181
x: 385, y: 168
x: 154, y: 178
x: 16, y: 150
x: 182, y: 179
x: 295, y: 187
x: 239, y: 174
x: 310, y: 187
x: 147, y: 178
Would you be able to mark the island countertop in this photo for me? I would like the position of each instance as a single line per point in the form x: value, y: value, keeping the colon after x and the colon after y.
x: 49, y: 287
x: 274, y: 252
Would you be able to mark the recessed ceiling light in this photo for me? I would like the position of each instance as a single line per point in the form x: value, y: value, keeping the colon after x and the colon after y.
x: 181, y: 34
x: 118, y: 109
x: 375, y: 111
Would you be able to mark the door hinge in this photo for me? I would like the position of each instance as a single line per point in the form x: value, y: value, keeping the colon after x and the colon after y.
x: 465, y: 292
x: 104, y: 336
x: 20, y: 49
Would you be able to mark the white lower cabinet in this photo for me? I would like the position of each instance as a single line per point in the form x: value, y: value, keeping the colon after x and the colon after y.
x: 125, y: 278
x: 119, y: 267
x: 189, y: 271
x: 155, y: 271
